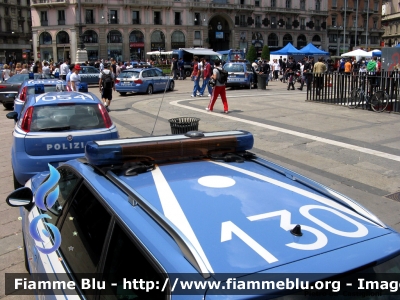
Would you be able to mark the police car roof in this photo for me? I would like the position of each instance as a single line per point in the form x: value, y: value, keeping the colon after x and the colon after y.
x: 64, y: 97
x: 32, y: 82
x: 228, y: 211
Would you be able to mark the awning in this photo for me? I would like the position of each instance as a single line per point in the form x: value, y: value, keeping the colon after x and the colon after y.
x: 201, y: 51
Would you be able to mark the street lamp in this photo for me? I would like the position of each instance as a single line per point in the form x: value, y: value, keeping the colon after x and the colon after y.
x: 344, y: 26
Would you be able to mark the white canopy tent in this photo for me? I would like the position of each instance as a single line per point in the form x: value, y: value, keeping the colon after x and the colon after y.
x: 357, y: 53
x: 372, y: 54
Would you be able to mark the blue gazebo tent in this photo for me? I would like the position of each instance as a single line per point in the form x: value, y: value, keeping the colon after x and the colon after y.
x: 289, y: 49
x: 311, y: 50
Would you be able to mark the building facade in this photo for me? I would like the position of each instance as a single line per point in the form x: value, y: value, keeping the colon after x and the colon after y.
x: 15, y: 31
x: 391, y: 23
x: 354, y: 24
x: 127, y: 29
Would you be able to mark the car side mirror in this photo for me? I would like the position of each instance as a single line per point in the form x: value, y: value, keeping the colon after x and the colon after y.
x: 12, y: 115
x: 20, y: 197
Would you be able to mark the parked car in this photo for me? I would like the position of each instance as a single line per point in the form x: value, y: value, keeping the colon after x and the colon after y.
x: 143, y: 80
x: 89, y: 74
x: 9, y: 89
x: 160, y: 210
x: 240, y: 74
x: 55, y: 127
x: 38, y: 86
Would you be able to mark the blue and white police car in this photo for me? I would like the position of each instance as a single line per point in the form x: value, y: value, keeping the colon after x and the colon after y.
x: 193, y: 216
x: 54, y: 127
x: 38, y: 86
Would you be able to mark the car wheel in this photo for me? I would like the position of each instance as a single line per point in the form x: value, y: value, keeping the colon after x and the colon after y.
x: 122, y: 93
x: 17, y: 185
x: 149, y: 90
x: 188, y: 73
x: 26, y: 255
x: 171, y: 85
x: 8, y: 105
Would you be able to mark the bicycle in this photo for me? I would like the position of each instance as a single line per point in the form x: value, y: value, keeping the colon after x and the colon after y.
x: 379, y: 100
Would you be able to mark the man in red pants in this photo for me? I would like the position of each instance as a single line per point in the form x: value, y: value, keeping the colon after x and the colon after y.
x: 219, y: 89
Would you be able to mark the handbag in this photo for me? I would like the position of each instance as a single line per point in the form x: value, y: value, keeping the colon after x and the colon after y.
x: 212, y: 82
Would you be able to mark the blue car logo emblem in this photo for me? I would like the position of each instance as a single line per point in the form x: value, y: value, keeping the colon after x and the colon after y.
x: 45, y: 196
x: 69, y: 138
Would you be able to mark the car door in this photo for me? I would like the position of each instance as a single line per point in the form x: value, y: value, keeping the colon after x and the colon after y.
x: 93, y: 75
x: 163, y: 79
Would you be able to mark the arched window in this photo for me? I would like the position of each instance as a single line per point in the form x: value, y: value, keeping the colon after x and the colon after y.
x: 316, y: 38
x: 301, y: 41
x: 45, y: 39
x: 157, y: 40
x: 273, y: 40
x: 62, y: 38
x: 114, y: 36
x: 136, y: 36
x: 177, y: 40
x: 90, y: 36
x: 287, y: 38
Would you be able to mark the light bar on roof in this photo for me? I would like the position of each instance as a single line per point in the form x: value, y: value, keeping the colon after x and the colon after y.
x: 158, y: 148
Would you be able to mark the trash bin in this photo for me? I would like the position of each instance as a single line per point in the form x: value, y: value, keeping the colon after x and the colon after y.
x: 182, y: 125
x: 262, y: 81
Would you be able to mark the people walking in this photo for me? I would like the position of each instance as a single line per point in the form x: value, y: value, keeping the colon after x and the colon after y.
x: 207, y: 72
x: 6, y: 72
x: 64, y: 70
x: 196, y: 76
x: 219, y: 88
x: 181, y: 66
x: 318, y: 71
x: 106, y: 85
x: 307, y: 75
x: 174, y: 68
x: 276, y: 69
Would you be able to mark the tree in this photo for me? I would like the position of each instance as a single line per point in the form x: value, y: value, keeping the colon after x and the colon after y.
x: 251, y: 54
x: 265, y: 52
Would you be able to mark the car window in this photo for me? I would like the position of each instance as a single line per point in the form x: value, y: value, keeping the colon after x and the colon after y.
x: 233, y: 67
x: 83, y: 233
x: 125, y: 261
x: 158, y: 72
x: 249, y: 68
x: 146, y: 74
x: 67, y: 183
x: 92, y: 71
x: 70, y: 117
x: 18, y: 78
x: 128, y: 75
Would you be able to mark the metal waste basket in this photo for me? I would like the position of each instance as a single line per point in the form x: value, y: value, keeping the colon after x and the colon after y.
x: 262, y: 81
x: 182, y: 125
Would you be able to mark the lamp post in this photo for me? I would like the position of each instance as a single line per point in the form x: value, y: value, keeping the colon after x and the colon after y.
x: 344, y: 26
x: 355, y: 42
x: 366, y: 33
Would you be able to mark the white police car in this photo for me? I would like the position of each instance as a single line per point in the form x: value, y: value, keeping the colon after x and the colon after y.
x: 194, y: 216
x: 55, y: 127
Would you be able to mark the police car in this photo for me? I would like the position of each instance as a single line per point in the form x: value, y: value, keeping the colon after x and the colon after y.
x: 89, y: 74
x: 55, y: 127
x: 147, y: 216
x: 38, y: 86
x: 240, y: 74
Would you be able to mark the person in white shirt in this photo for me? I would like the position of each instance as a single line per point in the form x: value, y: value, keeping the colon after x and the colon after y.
x: 64, y: 69
x: 75, y: 78
x: 276, y: 67
x: 46, y: 69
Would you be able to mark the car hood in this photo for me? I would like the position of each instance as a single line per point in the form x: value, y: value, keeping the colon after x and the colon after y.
x: 241, y: 217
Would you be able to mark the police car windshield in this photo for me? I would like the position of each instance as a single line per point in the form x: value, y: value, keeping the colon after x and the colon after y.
x: 66, y: 117
x: 17, y: 78
x: 233, y: 67
x: 129, y: 74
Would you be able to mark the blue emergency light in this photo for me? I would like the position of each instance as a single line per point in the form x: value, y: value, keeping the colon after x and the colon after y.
x: 31, y: 75
x: 39, y: 88
x: 167, y: 147
x: 56, y: 75
x: 83, y: 87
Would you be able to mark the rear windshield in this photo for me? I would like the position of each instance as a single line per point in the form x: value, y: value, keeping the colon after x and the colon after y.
x: 130, y: 74
x: 47, y: 88
x: 66, y: 117
x: 234, y: 67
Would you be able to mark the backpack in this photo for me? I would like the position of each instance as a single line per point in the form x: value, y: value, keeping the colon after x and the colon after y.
x: 341, y: 65
x: 223, y: 76
x: 371, y: 67
x: 106, y: 80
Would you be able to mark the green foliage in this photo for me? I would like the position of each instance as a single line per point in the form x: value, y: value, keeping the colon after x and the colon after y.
x: 251, y: 54
x: 265, y: 52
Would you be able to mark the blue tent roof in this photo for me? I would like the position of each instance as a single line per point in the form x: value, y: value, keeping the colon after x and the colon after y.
x: 398, y: 45
x: 289, y: 49
x: 310, y: 49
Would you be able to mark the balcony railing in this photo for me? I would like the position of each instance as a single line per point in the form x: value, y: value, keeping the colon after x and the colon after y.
x: 318, y: 28
x: 302, y: 27
x: 258, y: 25
x: 90, y: 21
x: 157, y: 3
x: 178, y: 22
x: 136, y: 21
x: 44, y: 23
x: 157, y: 21
x: 61, y: 22
x: 273, y: 26
x: 288, y: 26
x: 50, y: 3
x: 243, y: 24
x: 114, y: 21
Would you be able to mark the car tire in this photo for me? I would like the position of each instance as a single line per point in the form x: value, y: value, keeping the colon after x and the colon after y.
x: 25, y: 255
x: 8, y: 105
x: 17, y: 185
x: 188, y: 73
x: 171, y: 85
x: 149, y: 90
x: 122, y: 93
